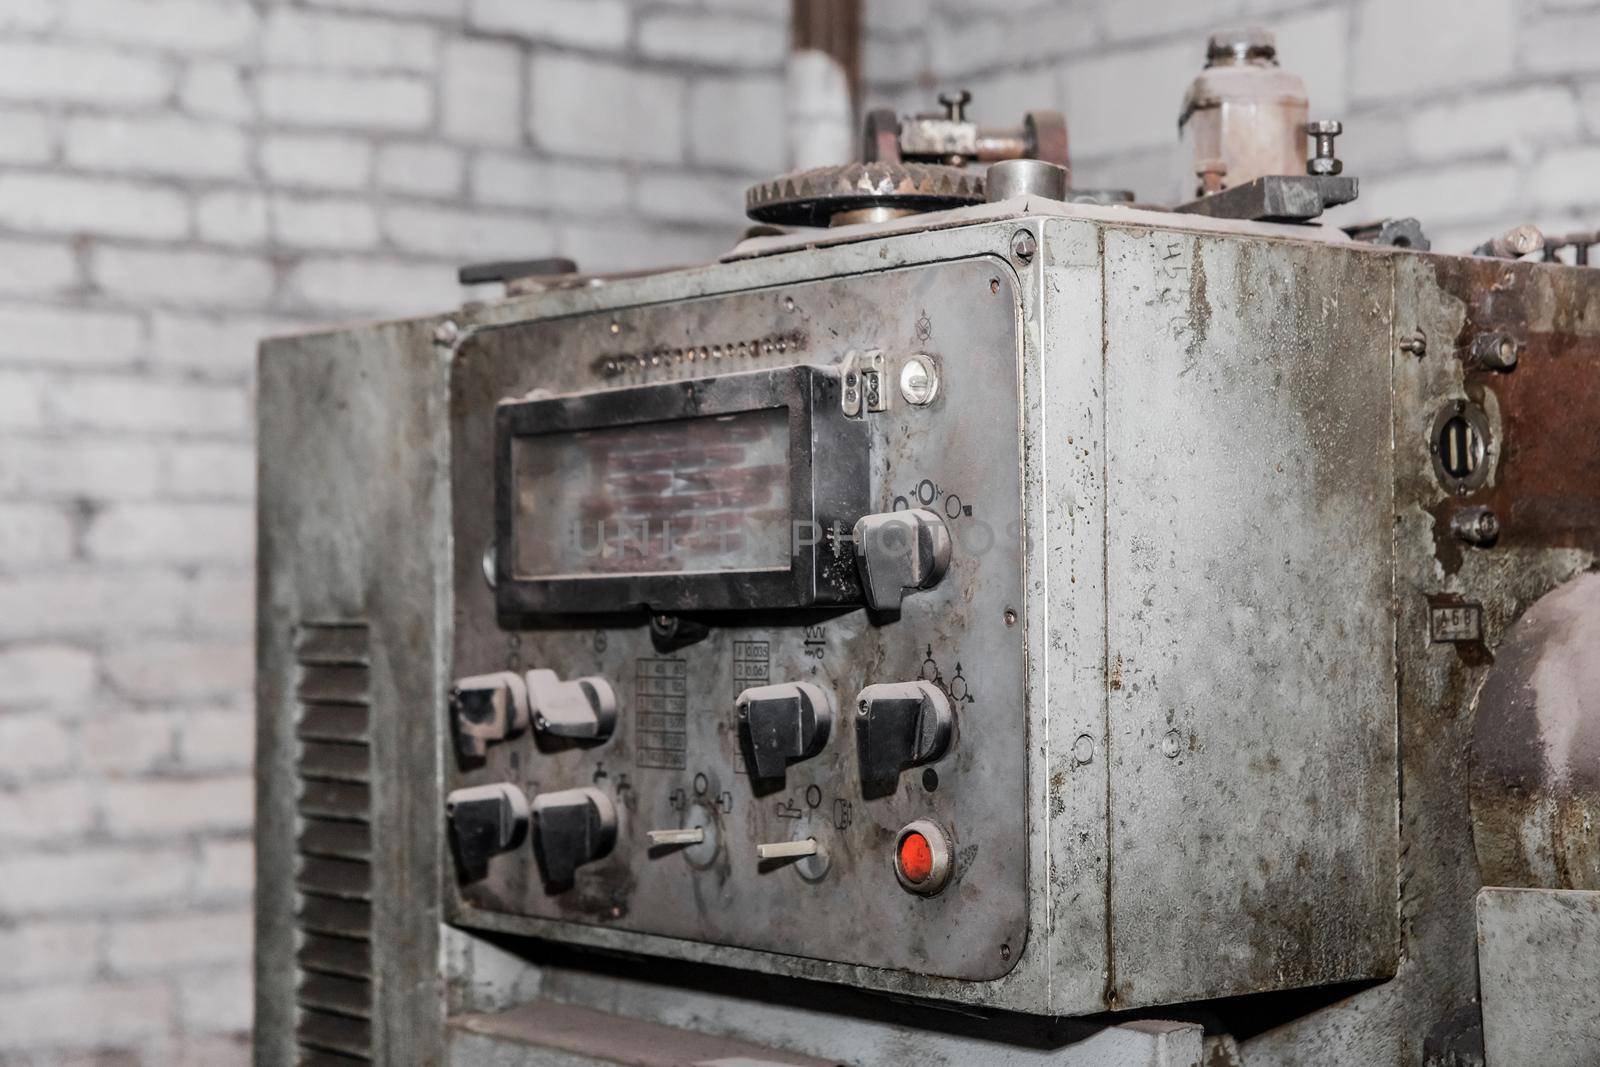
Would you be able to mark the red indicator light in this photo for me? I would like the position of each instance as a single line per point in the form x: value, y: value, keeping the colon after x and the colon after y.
x: 916, y: 857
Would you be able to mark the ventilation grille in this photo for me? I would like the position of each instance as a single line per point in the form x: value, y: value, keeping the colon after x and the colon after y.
x: 333, y: 871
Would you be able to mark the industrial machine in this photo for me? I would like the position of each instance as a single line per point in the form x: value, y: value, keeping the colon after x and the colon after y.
x: 977, y: 620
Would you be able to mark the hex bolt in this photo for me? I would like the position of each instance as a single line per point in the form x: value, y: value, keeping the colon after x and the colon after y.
x: 1496, y: 351
x: 955, y: 104
x: 1024, y: 246
x: 1323, y: 163
x: 1476, y: 526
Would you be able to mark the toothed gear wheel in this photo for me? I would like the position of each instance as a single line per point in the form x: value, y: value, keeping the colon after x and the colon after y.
x: 813, y: 197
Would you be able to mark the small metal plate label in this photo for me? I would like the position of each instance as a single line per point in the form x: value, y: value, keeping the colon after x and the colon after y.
x: 1455, y: 623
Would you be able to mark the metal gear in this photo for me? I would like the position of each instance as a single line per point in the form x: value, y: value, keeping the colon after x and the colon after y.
x: 813, y: 197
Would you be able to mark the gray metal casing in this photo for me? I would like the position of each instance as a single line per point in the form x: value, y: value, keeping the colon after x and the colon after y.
x: 1206, y: 458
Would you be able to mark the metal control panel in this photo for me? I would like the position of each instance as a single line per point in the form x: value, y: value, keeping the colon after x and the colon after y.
x: 737, y: 649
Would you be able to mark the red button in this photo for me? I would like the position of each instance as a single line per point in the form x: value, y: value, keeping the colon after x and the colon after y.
x: 916, y: 857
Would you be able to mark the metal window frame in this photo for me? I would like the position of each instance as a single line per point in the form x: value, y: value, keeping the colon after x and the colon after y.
x: 828, y: 485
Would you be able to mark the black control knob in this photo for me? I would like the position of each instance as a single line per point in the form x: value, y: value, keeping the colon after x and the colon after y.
x: 783, y: 723
x: 900, y: 725
x: 583, y: 708
x: 571, y: 828
x: 488, y: 708
x: 899, y: 552
x: 485, y: 820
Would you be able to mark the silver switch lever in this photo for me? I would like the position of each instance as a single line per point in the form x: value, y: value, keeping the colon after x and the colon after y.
x: 584, y: 707
x: 899, y: 552
x: 692, y: 835
x: 787, y: 850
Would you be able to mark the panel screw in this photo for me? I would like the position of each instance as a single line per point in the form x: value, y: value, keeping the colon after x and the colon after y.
x: 1323, y: 163
x: 1010, y: 617
x: 1476, y: 526
x: 1416, y: 344
x: 1171, y: 744
x: 1023, y: 246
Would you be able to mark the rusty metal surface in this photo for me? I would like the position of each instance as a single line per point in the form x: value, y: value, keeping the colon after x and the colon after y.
x: 1249, y: 634
x: 1539, y: 972
x: 677, y: 744
x: 1536, y: 747
x: 1548, y: 405
x: 1453, y: 604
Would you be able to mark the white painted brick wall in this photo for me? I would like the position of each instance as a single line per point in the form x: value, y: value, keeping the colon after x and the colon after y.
x: 1473, y: 115
x: 177, y: 179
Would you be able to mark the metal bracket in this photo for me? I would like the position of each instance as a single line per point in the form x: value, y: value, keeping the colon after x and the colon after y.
x: 1275, y: 198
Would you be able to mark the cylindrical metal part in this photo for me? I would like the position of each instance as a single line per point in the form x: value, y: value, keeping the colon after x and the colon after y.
x: 1476, y: 526
x: 1513, y: 244
x: 994, y: 145
x: 1244, y: 110
x: 1025, y: 177
x: 1495, y: 350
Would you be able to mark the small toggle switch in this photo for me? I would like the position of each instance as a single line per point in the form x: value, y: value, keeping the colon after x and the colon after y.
x: 696, y: 840
x: 486, y: 820
x: 582, y: 708
x: 784, y: 723
x: 787, y: 850
x: 571, y: 828
x: 488, y: 708
x: 805, y: 855
x: 900, y: 725
x: 900, y: 552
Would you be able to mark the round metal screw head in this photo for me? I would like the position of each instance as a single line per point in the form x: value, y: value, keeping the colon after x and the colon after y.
x: 1024, y: 246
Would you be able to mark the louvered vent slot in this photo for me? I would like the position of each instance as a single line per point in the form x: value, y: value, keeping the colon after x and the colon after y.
x: 333, y: 873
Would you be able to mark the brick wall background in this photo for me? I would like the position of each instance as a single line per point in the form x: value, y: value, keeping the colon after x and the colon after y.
x: 1473, y: 115
x: 178, y: 177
